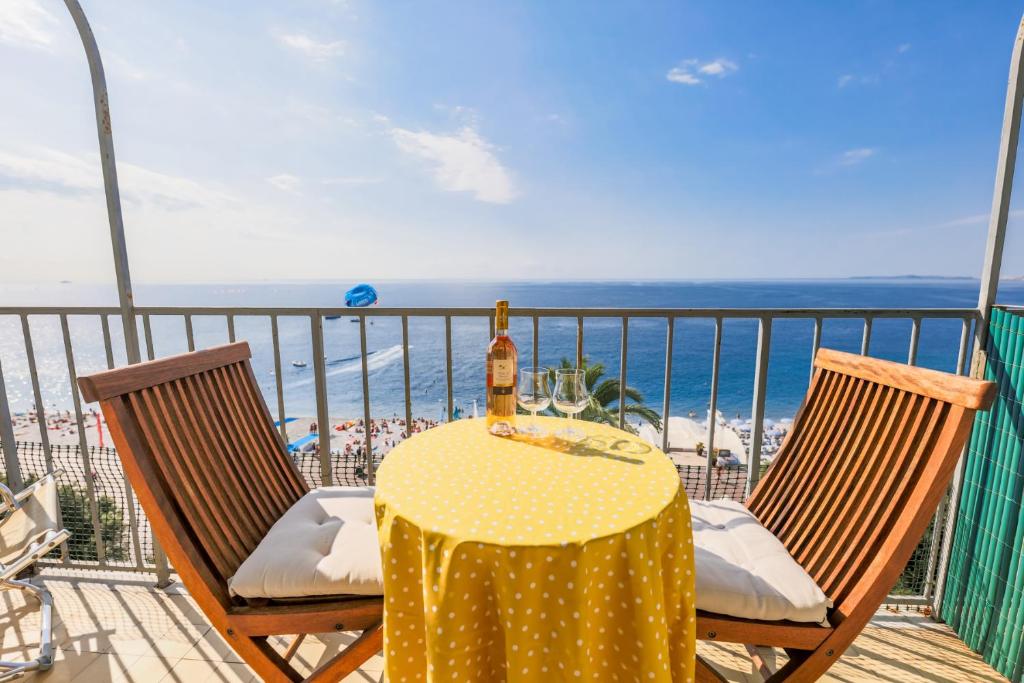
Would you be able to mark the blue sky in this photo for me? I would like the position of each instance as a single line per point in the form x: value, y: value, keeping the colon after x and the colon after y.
x: 350, y: 140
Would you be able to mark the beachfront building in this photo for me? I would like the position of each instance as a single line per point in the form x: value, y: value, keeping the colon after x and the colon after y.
x: 122, y: 611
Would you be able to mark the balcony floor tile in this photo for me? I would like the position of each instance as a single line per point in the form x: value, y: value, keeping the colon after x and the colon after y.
x: 113, y: 628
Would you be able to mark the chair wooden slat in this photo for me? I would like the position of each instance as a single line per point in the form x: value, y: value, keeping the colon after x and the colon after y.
x: 267, y: 438
x: 830, y: 427
x: 768, y: 497
x: 838, y: 471
x: 858, y: 482
x: 773, y: 497
x: 243, y: 453
x: 233, y: 482
x: 201, y: 452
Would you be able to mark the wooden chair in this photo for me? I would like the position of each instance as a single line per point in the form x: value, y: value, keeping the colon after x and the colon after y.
x: 850, y: 494
x: 201, y: 452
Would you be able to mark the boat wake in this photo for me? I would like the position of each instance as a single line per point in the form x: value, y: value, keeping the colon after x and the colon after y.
x: 375, y: 360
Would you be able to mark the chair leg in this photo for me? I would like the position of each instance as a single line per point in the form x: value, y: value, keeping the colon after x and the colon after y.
x: 10, y: 670
x: 294, y: 647
x: 763, y: 659
x: 348, y: 660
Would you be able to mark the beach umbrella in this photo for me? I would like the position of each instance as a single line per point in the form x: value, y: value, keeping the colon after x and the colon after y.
x: 360, y: 295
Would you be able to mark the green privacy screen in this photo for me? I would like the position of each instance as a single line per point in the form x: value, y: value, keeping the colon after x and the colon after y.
x: 984, y: 598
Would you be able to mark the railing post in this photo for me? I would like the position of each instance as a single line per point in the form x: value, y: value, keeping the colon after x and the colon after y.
x: 948, y: 518
x: 713, y: 407
x: 10, y: 448
x: 105, y: 135
x: 764, y: 339
x: 367, y: 419
x: 101, y: 102
x: 323, y: 418
x: 622, y: 372
x: 667, y: 398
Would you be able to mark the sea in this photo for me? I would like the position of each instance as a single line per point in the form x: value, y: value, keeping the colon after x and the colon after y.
x: 788, y: 371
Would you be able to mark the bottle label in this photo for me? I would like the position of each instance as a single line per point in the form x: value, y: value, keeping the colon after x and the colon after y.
x: 503, y: 372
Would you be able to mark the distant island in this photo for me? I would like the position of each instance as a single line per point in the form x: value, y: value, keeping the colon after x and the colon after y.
x: 914, y: 277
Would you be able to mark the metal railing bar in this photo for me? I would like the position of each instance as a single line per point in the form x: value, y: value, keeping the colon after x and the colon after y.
x: 945, y: 525
x: 713, y: 406
x: 8, y: 444
x: 231, y: 329
x: 915, y: 339
x: 58, y: 310
x: 367, y: 420
x: 405, y: 376
x: 323, y: 418
x: 129, y: 497
x: 579, y: 341
x: 670, y: 325
x: 536, y: 341
x: 37, y: 394
x: 622, y: 372
x: 101, y: 553
x: 961, y: 356
x: 764, y: 339
x: 275, y: 338
x: 108, y: 346
x: 865, y: 342
x: 147, y: 330
x: 448, y: 364
x: 815, y: 345
x: 189, y: 335
x: 490, y: 318
x: 470, y: 312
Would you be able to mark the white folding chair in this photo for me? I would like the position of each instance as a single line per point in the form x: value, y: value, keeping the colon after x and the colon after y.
x: 29, y: 528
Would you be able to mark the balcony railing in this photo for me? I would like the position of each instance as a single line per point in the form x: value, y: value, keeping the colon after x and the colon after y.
x: 96, y: 493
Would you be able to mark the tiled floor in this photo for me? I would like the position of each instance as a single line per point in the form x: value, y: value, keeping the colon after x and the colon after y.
x: 110, y: 627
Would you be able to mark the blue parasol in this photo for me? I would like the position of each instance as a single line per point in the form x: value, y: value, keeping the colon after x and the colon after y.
x: 361, y: 295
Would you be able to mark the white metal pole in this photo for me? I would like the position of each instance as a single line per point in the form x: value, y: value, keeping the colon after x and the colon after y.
x: 990, y: 271
x: 106, y: 139
x: 113, y: 195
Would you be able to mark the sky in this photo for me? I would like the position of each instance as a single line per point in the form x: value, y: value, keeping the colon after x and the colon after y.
x: 350, y: 140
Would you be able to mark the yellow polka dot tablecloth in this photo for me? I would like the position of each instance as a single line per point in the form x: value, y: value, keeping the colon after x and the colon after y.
x: 534, y: 559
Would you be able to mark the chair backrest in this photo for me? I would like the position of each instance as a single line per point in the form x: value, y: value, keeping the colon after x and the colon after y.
x: 862, y: 471
x: 200, y: 449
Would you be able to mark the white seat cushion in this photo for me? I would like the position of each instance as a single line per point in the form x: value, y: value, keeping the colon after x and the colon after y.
x: 744, y: 571
x: 326, y: 544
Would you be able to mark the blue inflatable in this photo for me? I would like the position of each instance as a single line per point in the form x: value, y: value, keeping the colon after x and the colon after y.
x: 361, y: 295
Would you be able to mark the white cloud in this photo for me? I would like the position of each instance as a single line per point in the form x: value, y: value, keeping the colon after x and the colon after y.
x: 43, y: 169
x: 461, y: 162
x: 905, y: 47
x: 679, y: 75
x: 285, y: 182
x: 719, y: 67
x: 26, y: 23
x: 687, y: 72
x: 351, y: 180
x: 317, y: 51
x: 852, y: 157
x: 845, y: 80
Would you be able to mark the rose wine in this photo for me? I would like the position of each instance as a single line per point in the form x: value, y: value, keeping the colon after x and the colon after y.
x: 501, y: 376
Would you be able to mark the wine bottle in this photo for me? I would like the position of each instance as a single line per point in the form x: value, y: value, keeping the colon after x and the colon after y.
x: 502, y: 359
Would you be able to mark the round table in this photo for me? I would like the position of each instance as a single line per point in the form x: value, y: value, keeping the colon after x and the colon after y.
x: 533, y: 558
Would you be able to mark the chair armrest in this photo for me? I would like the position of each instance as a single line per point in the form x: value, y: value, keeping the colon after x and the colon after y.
x: 12, y: 501
x: 8, y: 500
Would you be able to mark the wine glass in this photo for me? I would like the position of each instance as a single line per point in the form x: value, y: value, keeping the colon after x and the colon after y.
x: 571, y: 397
x: 533, y: 394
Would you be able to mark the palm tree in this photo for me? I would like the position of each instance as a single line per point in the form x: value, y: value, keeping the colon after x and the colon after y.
x: 604, y: 397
